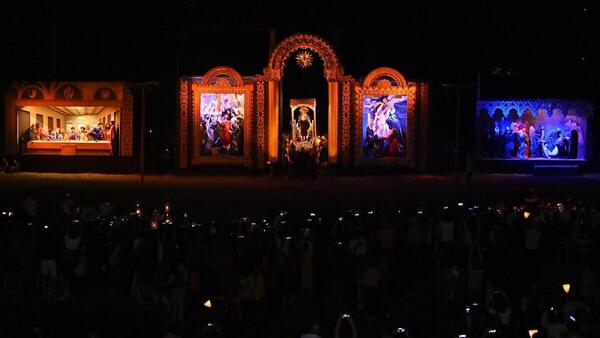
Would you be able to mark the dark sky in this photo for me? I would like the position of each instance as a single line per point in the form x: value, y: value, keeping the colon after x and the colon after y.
x: 520, y: 50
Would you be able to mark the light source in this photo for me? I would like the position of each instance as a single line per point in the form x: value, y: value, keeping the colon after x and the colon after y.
x: 532, y: 332
x: 208, y: 304
x: 566, y: 287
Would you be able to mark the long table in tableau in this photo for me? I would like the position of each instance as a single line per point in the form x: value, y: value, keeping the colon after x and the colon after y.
x: 66, y: 148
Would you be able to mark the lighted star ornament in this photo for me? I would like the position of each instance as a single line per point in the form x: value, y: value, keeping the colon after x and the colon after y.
x: 304, y: 59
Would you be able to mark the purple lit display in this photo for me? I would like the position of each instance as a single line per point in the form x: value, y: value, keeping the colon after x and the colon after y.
x: 534, y: 129
x: 384, y: 126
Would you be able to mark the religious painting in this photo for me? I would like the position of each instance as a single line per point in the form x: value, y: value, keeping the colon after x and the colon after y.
x: 221, y: 113
x: 222, y: 124
x: 384, y: 126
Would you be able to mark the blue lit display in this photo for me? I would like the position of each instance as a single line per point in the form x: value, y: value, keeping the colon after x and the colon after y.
x: 534, y: 129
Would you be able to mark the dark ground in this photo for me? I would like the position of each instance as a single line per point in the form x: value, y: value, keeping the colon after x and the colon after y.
x: 239, y: 195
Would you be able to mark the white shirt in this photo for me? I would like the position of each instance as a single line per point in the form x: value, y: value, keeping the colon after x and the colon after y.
x: 310, y: 335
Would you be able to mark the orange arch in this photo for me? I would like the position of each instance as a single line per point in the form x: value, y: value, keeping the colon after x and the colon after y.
x: 385, y: 71
x: 222, y: 70
x: 286, y: 47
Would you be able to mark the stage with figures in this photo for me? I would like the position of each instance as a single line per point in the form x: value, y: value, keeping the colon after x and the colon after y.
x: 302, y: 113
x: 534, y: 135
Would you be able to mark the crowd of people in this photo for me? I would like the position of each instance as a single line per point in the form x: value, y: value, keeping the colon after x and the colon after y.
x: 456, y: 270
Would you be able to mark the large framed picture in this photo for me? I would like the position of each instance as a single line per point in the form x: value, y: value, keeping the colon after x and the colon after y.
x: 221, y: 117
x: 385, y: 121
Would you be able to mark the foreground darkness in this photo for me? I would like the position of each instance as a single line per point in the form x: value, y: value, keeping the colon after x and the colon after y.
x: 416, y: 269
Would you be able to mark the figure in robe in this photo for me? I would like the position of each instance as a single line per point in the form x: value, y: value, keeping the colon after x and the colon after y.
x: 226, y: 129
x: 303, y: 125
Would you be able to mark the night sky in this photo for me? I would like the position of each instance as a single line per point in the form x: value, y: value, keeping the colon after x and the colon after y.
x: 519, y: 50
x: 436, y: 41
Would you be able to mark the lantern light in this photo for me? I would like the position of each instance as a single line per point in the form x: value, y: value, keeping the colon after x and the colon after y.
x: 208, y: 304
x: 532, y: 332
x: 567, y: 288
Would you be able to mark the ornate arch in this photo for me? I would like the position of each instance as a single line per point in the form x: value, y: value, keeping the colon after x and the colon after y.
x: 218, y: 80
x: 285, y: 48
x: 222, y: 76
x: 67, y: 91
x: 381, y: 82
x: 379, y: 78
x: 32, y: 91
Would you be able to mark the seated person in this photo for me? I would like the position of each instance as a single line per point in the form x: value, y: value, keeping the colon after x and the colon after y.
x: 73, y: 136
x: 31, y: 133
x: 97, y: 133
x: 83, y: 134
x: 59, y: 134
x: 37, y: 133
x: 52, y: 136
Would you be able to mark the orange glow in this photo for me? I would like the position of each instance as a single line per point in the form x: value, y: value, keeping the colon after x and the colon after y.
x: 273, y: 122
x: 332, y: 134
x: 154, y: 225
x: 167, y: 207
x: 138, y: 211
x: 567, y: 288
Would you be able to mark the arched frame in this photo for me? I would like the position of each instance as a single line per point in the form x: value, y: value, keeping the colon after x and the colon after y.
x: 221, y: 80
x: 333, y: 73
x: 378, y: 83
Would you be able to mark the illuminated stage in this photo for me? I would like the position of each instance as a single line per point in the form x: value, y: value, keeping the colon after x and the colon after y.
x: 69, y: 119
x: 226, y: 119
x: 534, y: 135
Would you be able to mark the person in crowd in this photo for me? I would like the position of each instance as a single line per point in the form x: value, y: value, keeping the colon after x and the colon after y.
x: 365, y: 264
x: 313, y: 331
x: 4, y: 166
x: 15, y: 166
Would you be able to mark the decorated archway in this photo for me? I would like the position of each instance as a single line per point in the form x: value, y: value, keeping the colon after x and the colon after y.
x: 339, y: 102
x: 333, y: 73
